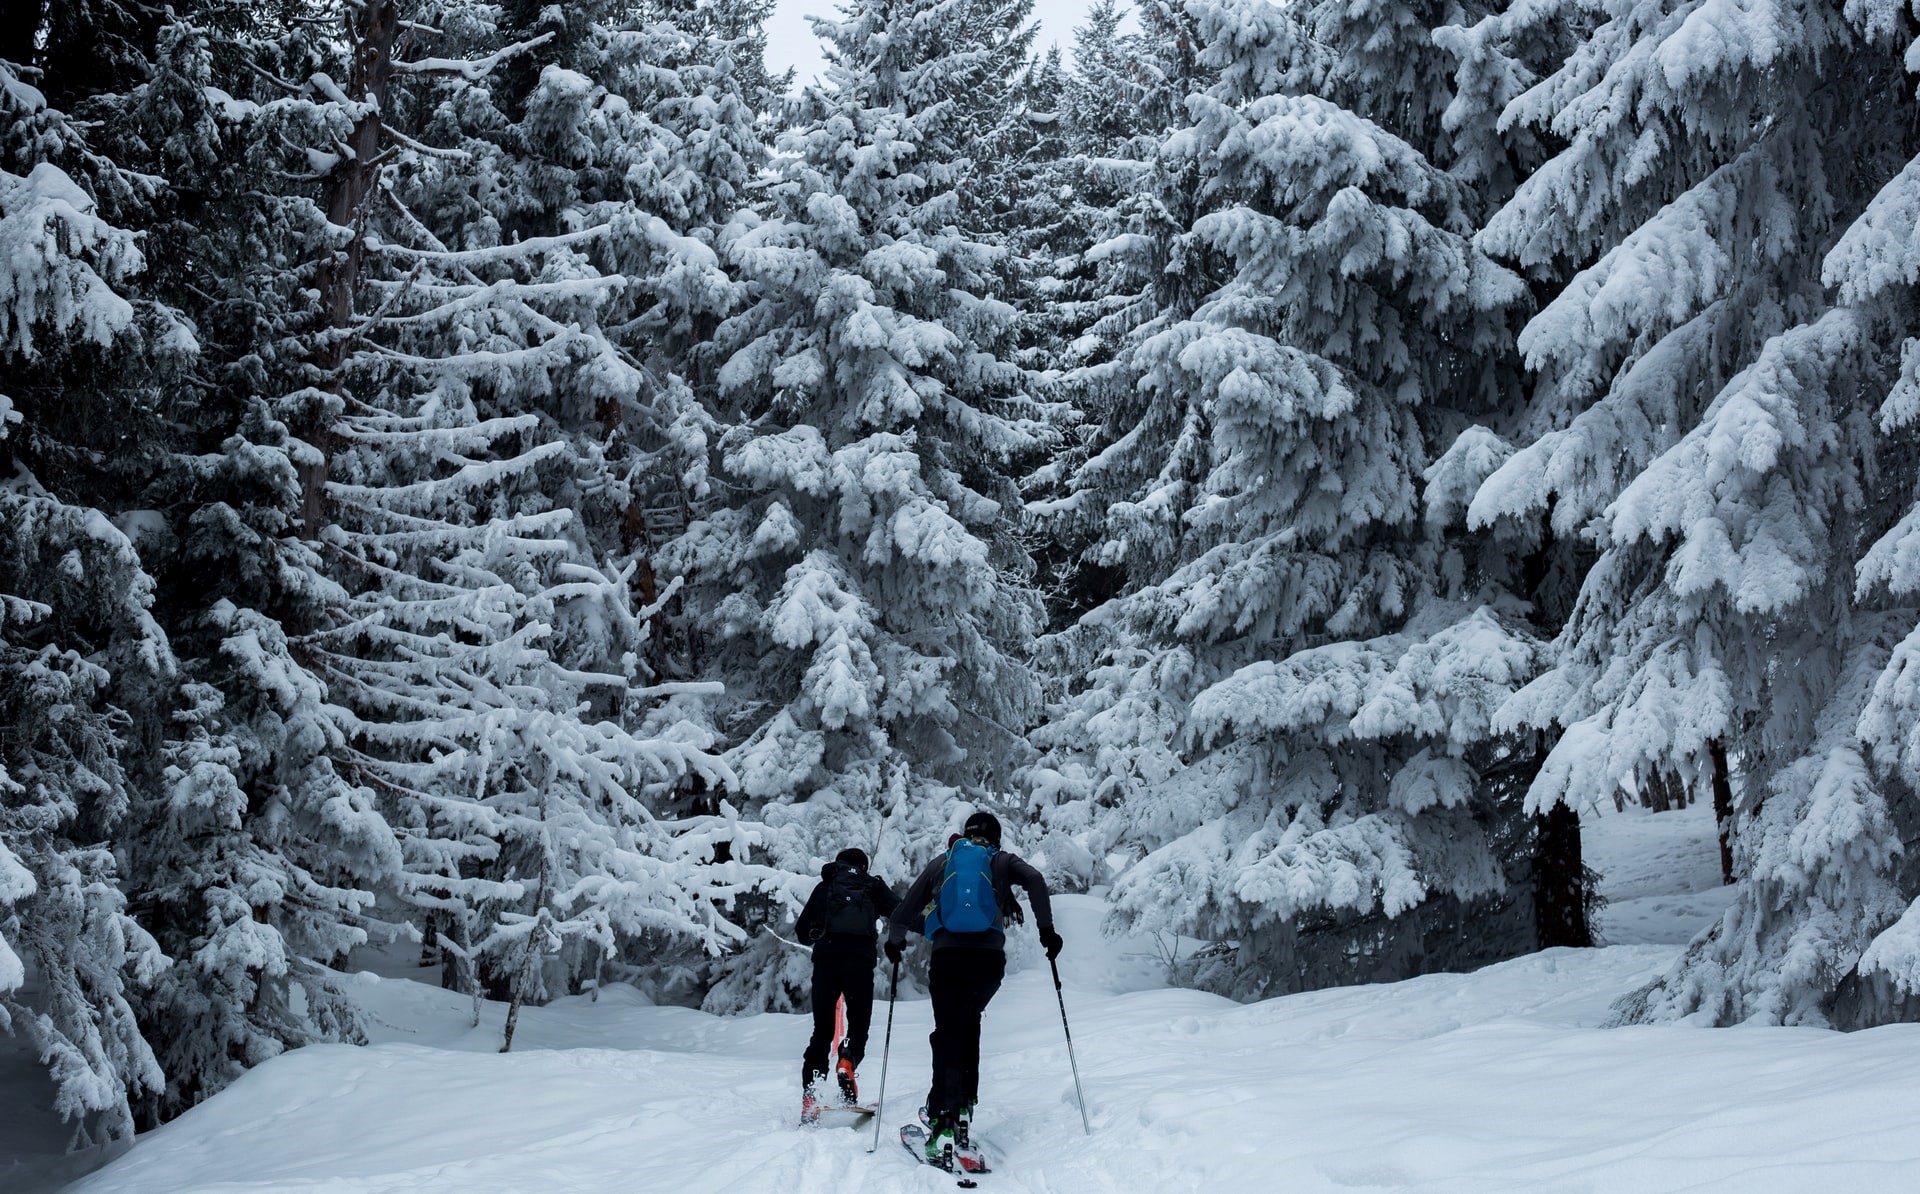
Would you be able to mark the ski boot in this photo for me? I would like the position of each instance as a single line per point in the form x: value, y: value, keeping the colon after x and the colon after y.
x: 967, y: 1158
x: 940, y: 1140
x: 811, y: 1104
x: 926, y: 1117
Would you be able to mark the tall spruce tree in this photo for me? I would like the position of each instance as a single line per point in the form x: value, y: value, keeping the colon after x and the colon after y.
x: 1105, y: 135
x: 864, y: 590
x: 1701, y: 413
x: 245, y: 855
x: 1496, y: 58
x: 85, y: 671
x: 1287, y: 725
x: 484, y: 644
x: 1130, y: 269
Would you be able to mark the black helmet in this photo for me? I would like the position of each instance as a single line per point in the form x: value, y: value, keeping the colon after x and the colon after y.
x: 984, y: 827
x: 853, y: 856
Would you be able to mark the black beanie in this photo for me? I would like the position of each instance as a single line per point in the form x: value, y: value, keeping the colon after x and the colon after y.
x: 853, y: 856
x: 985, y: 826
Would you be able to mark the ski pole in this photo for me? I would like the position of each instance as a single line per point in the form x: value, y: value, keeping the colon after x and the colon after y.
x: 1078, y: 1093
x: 879, y: 1104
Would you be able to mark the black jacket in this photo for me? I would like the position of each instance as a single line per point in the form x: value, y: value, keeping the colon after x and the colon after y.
x: 1006, y: 868
x: 811, y: 930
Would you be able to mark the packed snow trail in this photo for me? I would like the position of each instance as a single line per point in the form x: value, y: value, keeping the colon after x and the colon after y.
x: 1494, y: 1081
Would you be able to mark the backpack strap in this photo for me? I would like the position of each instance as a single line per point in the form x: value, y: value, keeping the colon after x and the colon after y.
x: 930, y: 915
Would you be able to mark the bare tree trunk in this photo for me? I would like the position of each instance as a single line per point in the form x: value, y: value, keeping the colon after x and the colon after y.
x: 1653, y: 791
x: 1723, y: 807
x: 348, y: 187
x: 1559, y: 880
x: 513, y: 1005
x: 457, y: 971
x: 1662, y: 791
x: 525, y: 976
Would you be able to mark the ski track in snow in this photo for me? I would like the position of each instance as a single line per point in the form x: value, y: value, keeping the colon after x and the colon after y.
x: 1496, y: 1081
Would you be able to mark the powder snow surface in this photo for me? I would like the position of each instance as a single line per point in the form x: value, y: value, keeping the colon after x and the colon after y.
x: 1494, y: 1081
x: 1660, y: 873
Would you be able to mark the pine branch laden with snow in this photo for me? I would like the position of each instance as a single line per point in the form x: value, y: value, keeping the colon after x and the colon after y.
x: 1703, y: 414
x: 73, y: 962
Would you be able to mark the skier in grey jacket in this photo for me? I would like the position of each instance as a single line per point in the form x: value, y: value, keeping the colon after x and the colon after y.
x: 965, y: 971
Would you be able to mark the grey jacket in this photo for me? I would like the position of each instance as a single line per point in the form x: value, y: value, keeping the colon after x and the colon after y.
x: 1006, y: 869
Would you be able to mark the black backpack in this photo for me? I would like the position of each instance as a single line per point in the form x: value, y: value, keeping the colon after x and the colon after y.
x: 850, y: 911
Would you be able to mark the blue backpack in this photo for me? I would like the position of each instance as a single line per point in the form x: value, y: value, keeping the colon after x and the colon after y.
x: 966, y: 902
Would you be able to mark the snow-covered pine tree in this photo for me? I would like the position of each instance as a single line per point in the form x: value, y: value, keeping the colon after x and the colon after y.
x: 662, y: 141
x: 864, y: 588
x: 1127, y: 270
x: 1496, y: 58
x: 83, y: 664
x: 1103, y: 88
x: 1101, y: 174
x: 484, y: 651
x: 1703, y: 413
x: 243, y: 853
x: 730, y: 35
x: 1129, y: 95
x: 1045, y: 217
x: 1287, y: 725
x: 989, y: 77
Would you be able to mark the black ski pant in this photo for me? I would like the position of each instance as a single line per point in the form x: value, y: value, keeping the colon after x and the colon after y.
x: 836, y: 976
x: 962, y: 982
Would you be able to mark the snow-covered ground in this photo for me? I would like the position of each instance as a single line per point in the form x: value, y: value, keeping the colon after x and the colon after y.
x: 1495, y: 1081
x: 1660, y: 873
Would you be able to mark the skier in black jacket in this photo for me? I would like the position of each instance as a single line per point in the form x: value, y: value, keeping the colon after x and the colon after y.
x: 839, y: 923
x: 963, y: 975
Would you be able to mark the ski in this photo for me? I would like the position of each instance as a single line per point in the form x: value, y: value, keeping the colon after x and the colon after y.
x: 837, y: 1115
x: 853, y: 1115
x: 965, y: 1162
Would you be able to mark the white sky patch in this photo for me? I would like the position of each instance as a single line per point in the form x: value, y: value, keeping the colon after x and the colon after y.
x: 790, y: 39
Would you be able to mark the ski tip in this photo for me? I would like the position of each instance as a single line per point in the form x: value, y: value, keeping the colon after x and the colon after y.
x: 967, y: 1183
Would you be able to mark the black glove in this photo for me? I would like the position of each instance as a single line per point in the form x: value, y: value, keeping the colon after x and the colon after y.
x: 1050, y: 940
x: 895, y: 951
